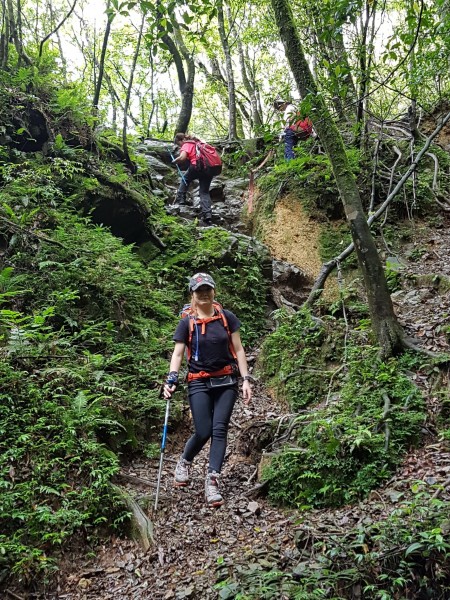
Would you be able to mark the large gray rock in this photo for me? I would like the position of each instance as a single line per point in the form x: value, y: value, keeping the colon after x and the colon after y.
x: 226, y: 201
x: 158, y: 148
x: 291, y: 285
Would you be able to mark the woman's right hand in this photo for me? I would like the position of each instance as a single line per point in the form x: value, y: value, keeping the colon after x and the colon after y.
x: 169, y: 390
x: 171, y: 384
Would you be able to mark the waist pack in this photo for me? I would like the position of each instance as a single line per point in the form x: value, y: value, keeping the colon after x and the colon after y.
x: 225, y: 376
x: 221, y: 382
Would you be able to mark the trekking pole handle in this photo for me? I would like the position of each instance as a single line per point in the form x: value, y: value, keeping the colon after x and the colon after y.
x: 166, y: 420
x: 178, y: 168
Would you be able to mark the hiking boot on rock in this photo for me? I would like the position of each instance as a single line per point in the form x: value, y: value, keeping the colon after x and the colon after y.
x: 213, y: 496
x: 182, y: 472
x: 183, y: 199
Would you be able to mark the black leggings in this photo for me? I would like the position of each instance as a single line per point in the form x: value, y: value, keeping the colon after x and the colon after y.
x: 211, y: 411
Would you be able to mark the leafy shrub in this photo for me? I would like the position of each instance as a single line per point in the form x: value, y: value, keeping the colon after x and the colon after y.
x: 406, y: 555
x: 55, y: 474
x: 346, y: 447
x: 293, y: 358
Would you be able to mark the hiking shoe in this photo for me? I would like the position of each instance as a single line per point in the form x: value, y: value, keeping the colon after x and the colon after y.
x: 182, y: 472
x: 212, y: 494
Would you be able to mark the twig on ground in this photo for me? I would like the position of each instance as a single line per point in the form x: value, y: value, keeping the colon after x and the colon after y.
x: 259, y: 487
x: 441, y: 488
x: 253, y: 475
x: 387, y: 429
x: 15, y: 596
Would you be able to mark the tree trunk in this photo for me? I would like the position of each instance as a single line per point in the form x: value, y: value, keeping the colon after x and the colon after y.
x: 4, y: 37
x: 14, y: 33
x: 413, y: 91
x: 333, y: 50
x: 101, y: 66
x: 186, y: 84
x: 187, y: 98
x: 129, y: 162
x: 349, y: 96
x: 115, y: 100
x: 232, y: 131
x: 256, y: 120
x: 365, y: 61
x: 219, y: 83
x: 384, y: 322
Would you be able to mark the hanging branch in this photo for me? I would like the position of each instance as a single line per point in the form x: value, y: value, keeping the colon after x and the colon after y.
x: 374, y: 172
x: 328, y: 267
x: 41, y: 46
x: 436, y: 169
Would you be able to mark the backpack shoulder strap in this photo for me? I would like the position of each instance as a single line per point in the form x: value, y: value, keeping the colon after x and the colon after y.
x: 221, y: 312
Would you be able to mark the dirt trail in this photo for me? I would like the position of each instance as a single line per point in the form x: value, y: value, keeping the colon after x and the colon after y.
x: 192, y: 541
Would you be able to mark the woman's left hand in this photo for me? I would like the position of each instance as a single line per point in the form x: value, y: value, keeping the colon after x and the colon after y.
x: 247, y: 391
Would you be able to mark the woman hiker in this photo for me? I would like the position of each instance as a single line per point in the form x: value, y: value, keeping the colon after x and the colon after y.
x: 215, y: 356
x: 294, y: 129
x: 204, y: 173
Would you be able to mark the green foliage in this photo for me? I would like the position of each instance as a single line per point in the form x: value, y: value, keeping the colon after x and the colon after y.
x: 310, y: 177
x: 55, y: 474
x: 393, y: 272
x: 334, y: 239
x: 404, y: 555
x: 292, y: 358
x: 72, y: 102
x: 347, y: 446
x: 85, y: 336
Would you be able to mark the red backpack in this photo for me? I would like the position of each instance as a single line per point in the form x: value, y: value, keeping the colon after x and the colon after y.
x: 207, y: 155
x: 302, y: 127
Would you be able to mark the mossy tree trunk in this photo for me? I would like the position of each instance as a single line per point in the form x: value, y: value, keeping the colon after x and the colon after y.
x: 186, y: 77
x: 384, y: 322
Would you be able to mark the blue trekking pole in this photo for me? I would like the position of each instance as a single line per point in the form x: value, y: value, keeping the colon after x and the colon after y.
x: 179, y: 170
x: 163, y: 446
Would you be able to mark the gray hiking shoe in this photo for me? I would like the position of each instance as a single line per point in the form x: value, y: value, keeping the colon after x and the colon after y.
x: 212, y: 494
x: 182, y: 472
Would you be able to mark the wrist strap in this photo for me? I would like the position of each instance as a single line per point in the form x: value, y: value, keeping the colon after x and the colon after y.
x: 172, y: 378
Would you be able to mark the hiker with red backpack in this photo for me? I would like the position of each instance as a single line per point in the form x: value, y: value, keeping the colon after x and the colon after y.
x: 204, y: 164
x: 210, y: 336
x: 296, y: 128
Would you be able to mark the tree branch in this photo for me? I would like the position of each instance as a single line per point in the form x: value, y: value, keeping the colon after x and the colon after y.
x: 41, y: 46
